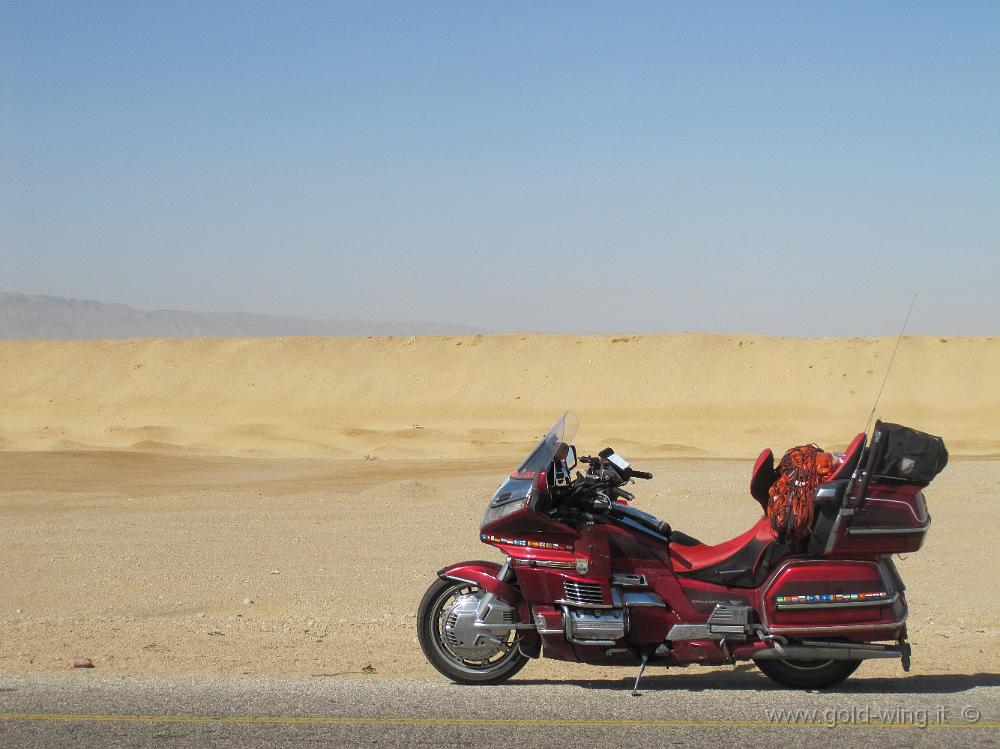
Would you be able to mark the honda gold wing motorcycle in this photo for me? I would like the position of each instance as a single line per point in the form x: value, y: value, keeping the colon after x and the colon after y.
x: 590, y: 578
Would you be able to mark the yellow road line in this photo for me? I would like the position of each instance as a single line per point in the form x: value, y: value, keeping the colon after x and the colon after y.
x: 515, y: 722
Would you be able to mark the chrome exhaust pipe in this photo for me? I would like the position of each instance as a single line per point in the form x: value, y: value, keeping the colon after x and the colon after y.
x: 825, y: 651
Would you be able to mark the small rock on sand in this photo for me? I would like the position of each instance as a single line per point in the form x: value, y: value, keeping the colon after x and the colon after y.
x: 247, y: 601
x: 81, y: 662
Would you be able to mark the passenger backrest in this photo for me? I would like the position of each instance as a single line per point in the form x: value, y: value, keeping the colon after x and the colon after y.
x: 763, y: 476
x: 851, y: 457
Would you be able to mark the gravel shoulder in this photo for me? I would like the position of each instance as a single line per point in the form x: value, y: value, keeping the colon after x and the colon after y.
x: 173, y: 565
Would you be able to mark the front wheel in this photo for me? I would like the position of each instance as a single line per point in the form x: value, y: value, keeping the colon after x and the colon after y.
x: 454, y: 647
x: 808, y: 674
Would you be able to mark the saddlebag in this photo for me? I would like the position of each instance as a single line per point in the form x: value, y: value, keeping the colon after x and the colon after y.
x: 828, y: 598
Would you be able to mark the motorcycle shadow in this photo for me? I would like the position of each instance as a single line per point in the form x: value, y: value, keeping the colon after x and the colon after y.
x: 747, y: 678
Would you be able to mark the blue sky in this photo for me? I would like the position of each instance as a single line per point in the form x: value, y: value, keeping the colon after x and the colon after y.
x: 787, y: 168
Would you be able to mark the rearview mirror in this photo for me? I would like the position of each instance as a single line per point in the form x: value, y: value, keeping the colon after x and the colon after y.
x: 570, y: 457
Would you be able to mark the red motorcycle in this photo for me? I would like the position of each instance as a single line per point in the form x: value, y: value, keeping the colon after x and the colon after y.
x: 589, y: 578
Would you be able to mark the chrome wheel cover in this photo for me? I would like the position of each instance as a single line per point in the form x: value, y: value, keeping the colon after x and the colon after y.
x: 453, y: 636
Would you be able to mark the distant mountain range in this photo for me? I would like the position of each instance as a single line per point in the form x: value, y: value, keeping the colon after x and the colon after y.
x: 52, y: 317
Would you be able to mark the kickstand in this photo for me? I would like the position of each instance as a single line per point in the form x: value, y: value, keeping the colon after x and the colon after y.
x: 642, y: 667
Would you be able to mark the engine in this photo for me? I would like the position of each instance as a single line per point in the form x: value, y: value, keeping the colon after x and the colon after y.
x: 590, y: 621
x: 594, y: 626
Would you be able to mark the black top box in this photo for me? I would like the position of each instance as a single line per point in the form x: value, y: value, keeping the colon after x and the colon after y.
x: 907, y: 455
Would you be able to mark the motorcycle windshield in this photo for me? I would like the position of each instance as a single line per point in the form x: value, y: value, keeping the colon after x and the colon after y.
x: 563, y: 432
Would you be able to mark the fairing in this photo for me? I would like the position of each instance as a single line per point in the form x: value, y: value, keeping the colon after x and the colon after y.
x: 523, y: 489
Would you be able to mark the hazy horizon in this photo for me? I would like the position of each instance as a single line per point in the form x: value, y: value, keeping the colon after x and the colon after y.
x: 59, y: 320
x: 785, y: 169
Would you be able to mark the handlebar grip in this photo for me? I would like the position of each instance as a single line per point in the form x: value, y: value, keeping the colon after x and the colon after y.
x: 615, y: 491
x: 641, y: 474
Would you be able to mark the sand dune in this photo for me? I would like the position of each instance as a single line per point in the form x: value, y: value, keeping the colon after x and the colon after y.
x: 143, y: 541
x: 479, y: 396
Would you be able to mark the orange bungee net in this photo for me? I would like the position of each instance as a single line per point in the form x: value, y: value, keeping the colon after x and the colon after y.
x: 790, y: 508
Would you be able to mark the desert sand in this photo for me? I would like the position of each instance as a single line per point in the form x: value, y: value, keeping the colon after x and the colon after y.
x: 486, y: 396
x: 278, y: 506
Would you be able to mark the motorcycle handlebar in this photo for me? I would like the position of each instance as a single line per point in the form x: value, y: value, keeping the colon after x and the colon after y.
x: 632, y: 473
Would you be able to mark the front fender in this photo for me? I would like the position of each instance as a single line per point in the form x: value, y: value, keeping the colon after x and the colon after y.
x: 483, y: 574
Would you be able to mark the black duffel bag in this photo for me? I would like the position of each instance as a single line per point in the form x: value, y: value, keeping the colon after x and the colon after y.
x: 908, y: 455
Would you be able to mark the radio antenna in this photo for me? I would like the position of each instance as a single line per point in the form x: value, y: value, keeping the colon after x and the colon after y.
x: 891, y: 359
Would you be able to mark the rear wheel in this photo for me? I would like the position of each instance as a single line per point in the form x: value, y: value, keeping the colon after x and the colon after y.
x: 808, y: 674
x: 456, y: 650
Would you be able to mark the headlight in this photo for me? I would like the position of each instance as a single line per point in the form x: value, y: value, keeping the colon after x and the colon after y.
x: 494, y: 514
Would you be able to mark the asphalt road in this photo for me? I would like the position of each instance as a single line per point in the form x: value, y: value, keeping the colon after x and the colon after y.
x: 684, y: 708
